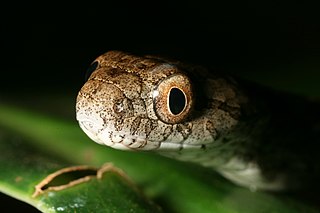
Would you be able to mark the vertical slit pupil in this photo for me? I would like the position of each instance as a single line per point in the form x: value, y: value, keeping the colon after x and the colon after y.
x: 177, y: 101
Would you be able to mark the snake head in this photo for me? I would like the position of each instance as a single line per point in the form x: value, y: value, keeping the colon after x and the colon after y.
x: 148, y: 103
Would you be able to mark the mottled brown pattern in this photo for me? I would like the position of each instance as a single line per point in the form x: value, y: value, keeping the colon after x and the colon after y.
x: 120, y: 91
x: 118, y: 107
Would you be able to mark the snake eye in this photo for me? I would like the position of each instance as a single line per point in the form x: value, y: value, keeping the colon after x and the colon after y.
x: 172, y: 99
x: 91, y: 69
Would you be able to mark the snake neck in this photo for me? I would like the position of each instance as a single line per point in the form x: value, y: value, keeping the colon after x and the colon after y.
x: 273, y: 145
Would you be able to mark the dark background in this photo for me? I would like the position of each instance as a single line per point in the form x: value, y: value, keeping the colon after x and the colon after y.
x: 49, y: 47
x: 46, y: 49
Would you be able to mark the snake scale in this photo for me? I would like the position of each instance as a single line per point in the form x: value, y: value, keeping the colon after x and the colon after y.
x: 253, y: 137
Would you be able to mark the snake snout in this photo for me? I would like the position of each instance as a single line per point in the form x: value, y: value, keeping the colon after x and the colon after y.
x: 89, y: 128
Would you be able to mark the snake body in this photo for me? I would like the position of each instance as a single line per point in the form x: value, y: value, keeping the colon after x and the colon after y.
x: 188, y: 113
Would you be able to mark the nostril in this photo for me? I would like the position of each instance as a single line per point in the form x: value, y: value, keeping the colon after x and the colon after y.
x: 123, y: 107
x: 118, y: 107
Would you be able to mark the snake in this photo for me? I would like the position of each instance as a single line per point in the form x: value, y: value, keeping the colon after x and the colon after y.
x: 253, y: 137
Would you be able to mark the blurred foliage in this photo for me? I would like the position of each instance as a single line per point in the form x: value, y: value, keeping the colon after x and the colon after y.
x: 34, y: 144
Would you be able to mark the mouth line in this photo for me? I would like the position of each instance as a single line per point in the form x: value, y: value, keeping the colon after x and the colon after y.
x: 115, y: 139
x: 126, y: 141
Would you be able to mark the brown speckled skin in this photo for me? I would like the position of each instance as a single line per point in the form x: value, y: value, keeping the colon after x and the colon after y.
x: 119, y: 94
x: 223, y: 130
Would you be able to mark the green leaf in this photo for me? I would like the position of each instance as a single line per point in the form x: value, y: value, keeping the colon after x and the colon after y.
x: 34, y: 145
x: 23, y: 165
